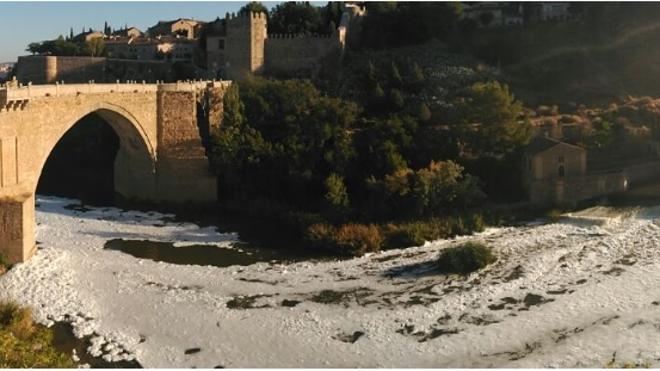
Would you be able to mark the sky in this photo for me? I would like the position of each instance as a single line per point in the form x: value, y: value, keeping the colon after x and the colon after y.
x: 26, y: 22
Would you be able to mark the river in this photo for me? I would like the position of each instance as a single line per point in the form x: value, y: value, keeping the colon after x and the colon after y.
x: 583, y: 291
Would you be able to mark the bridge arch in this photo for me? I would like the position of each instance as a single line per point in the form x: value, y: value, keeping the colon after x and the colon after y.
x: 135, y: 161
x: 161, y: 157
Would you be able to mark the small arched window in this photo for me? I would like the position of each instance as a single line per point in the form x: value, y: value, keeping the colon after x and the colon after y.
x: 561, y: 171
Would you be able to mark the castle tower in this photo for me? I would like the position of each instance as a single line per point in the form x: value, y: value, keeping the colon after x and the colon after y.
x: 245, y: 39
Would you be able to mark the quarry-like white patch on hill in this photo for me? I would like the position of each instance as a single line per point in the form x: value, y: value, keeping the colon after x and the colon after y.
x: 566, y: 294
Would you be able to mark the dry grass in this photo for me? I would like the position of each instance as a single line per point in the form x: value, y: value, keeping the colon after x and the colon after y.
x: 24, y: 344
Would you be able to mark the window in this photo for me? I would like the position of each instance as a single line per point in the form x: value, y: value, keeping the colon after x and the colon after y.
x: 561, y: 159
x: 561, y: 171
x: 221, y: 44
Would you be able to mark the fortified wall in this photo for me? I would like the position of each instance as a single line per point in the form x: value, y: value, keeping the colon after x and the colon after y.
x: 50, y: 69
x: 299, y: 53
x: 243, y: 47
x: 244, y: 44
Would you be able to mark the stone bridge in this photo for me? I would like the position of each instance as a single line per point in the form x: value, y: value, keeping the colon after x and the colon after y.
x: 161, y: 156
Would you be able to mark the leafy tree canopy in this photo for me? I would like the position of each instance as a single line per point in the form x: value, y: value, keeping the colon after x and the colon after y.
x: 253, y: 6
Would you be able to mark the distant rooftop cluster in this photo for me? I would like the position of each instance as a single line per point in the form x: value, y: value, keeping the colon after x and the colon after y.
x: 494, y: 14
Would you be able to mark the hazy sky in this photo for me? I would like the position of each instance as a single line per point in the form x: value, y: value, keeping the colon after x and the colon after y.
x: 25, y: 22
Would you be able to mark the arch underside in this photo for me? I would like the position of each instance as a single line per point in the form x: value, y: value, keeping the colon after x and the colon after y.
x: 134, y: 164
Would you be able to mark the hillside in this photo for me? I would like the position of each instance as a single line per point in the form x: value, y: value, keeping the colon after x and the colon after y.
x: 609, y: 54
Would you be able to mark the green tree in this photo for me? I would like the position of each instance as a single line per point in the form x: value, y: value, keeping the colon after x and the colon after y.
x: 332, y: 14
x: 302, y: 138
x: 95, y: 47
x: 428, y: 192
x: 253, y: 6
x: 396, y: 100
x: 395, y: 77
x: 371, y: 76
x: 423, y: 112
x: 336, y: 193
x: 390, y: 24
x: 417, y: 79
x: 376, y: 98
x: 293, y: 18
x: 492, y: 120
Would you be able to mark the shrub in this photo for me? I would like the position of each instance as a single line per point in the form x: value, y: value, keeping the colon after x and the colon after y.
x: 24, y: 344
x: 4, y: 264
x: 297, y: 222
x: 416, y: 233
x: 336, y: 195
x: 320, y: 235
x: 349, y: 239
x: 404, y: 235
x: 357, y: 239
x: 476, y: 223
x: 466, y: 258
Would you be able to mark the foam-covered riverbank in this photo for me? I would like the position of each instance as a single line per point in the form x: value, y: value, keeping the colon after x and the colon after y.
x: 564, y: 294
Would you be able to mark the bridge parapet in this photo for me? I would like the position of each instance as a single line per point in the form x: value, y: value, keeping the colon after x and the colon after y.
x: 17, y: 97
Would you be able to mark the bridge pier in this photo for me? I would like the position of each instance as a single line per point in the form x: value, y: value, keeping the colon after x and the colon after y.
x: 17, y: 224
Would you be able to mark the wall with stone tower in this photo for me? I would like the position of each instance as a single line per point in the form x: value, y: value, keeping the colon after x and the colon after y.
x: 245, y: 47
x: 244, y: 44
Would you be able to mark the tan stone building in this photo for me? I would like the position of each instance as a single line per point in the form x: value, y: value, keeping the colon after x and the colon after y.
x: 555, y: 173
x: 188, y: 28
x: 129, y: 32
x: 548, y: 158
x: 89, y: 36
x: 167, y: 48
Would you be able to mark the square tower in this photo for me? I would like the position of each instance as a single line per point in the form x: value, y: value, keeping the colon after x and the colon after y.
x: 244, y: 44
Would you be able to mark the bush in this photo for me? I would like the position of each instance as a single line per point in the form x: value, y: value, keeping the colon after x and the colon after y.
x: 4, y: 264
x: 466, y: 258
x: 404, y: 235
x: 349, y: 239
x: 336, y: 195
x: 24, y: 344
x: 320, y: 236
x: 416, y: 233
x: 297, y: 222
x: 358, y: 239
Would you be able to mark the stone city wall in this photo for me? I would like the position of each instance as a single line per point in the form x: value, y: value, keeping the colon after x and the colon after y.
x: 290, y: 53
x: 50, y: 69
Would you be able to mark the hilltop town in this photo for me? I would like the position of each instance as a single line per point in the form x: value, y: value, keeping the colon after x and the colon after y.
x: 236, y: 45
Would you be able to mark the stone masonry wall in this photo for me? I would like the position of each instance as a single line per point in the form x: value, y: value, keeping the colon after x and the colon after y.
x: 49, y: 69
x: 182, y: 167
x: 289, y: 54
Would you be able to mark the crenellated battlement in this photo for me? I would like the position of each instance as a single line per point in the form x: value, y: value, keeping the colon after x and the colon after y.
x: 15, y: 97
x: 241, y: 19
x: 299, y: 36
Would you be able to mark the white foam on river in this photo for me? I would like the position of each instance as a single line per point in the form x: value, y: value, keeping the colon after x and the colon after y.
x: 565, y: 294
